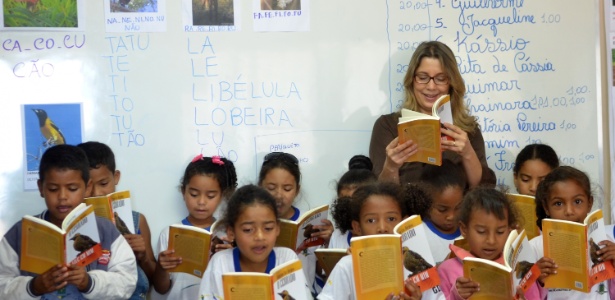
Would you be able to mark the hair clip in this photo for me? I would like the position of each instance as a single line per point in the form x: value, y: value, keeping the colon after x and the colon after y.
x: 216, y: 160
x: 197, y: 158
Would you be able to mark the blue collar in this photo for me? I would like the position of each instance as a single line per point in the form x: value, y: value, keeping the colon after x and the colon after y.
x: 449, y: 236
x: 349, y: 237
x: 186, y: 222
x: 296, y: 214
x: 270, y: 260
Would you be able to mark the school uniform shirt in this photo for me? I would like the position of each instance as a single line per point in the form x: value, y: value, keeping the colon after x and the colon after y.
x: 340, y: 284
x: 603, y: 290
x: 183, y: 285
x: 340, y: 240
x: 452, y: 268
x: 113, y: 276
x: 227, y: 261
x: 439, y: 242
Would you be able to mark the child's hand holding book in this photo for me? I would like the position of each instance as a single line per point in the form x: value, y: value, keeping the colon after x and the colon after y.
x: 466, y: 287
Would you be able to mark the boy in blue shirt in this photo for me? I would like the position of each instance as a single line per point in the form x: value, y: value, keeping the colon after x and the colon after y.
x: 64, y: 182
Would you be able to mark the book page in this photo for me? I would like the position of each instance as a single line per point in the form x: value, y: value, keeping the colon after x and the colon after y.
x: 288, y: 234
x: 82, y: 239
x: 122, y: 212
x: 193, y: 247
x: 218, y: 231
x: 304, y: 229
x: 495, y: 283
x: 418, y: 262
x: 599, y: 270
x: 523, y: 262
x: 102, y: 206
x: 565, y: 243
x: 41, y: 247
x: 377, y: 266
x: 527, y: 207
x: 443, y: 109
x: 328, y: 258
x: 426, y: 134
x: 289, y: 281
x: 242, y: 286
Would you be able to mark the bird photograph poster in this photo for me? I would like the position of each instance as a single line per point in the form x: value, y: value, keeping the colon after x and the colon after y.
x: 135, y: 15
x: 46, y: 125
x: 42, y: 14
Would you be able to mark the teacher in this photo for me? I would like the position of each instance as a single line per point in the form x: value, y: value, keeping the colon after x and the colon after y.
x: 432, y: 73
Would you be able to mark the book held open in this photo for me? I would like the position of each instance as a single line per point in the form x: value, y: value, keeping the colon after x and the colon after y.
x: 44, y: 245
x: 424, y: 130
x: 286, y: 281
x: 527, y: 207
x: 296, y: 235
x: 193, y: 245
x: 115, y: 207
x: 329, y: 257
x: 573, y: 247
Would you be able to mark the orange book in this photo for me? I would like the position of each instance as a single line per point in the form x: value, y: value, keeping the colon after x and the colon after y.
x: 573, y: 247
x: 296, y: 235
x: 193, y: 244
x: 499, y: 281
x: 328, y: 257
x: 377, y: 264
x: 44, y: 245
x: 527, y: 207
x: 286, y: 281
x: 424, y: 130
x: 418, y: 262
x: 115, y: 207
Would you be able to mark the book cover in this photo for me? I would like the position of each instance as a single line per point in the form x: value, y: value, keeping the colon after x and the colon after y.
x: 286, y: 281
x: 377, y: 264
x: 297, y: 234
x: 527, y: 207
x: 44, y: 245
x: 192, y: 244
x: 116, y: 207
x: 418, y: 261
x: 499, y: 281
x: 217, y: 231
x: 328, y: 257
x: 424, y: 130
x: 573, y: 247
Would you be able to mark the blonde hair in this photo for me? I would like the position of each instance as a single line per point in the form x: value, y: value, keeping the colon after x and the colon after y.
x: 457, y: 89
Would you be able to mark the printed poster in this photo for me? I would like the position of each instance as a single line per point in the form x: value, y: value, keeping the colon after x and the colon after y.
x: 281, y: 15
x: 135, y: 15
x: 210, y: 15
x: 44, y: 126
x: 41, y: 15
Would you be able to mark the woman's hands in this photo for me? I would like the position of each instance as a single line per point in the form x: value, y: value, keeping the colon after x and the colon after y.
x: 397, y: 154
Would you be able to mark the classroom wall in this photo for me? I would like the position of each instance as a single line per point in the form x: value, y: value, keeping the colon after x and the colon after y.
x: 160, y: 98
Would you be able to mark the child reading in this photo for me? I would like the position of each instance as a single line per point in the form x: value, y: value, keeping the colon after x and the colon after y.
x: 206, y: 181
x: 375, y: 209
x: 445, y: 186
x: 532, y: 164
x: 105, y: 177
x: 359, y: 173
x: 486, y: 217
x: 281, y: 177
x: 252, y: 220
x: 63, y: 183
x: 565, y: 194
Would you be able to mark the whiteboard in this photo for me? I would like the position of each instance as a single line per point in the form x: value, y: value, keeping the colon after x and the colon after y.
x: 160, y: 98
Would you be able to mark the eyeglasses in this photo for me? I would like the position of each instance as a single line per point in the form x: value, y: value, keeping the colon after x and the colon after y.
x: 424, y: 79
x: 281, y: 156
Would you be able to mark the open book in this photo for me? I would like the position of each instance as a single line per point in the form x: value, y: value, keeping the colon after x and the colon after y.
x: 418, y: 261
x: 115, y: 207
x: 527, y: 207
x: 44, y: 245
x: 194, y: 245
x: 296, y: 235
x: 377, y: 264
x: 286, y: 281
x: 424, y: 130
x: 329, y: 257
x: 573, y: 247
x: 500, y: 281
